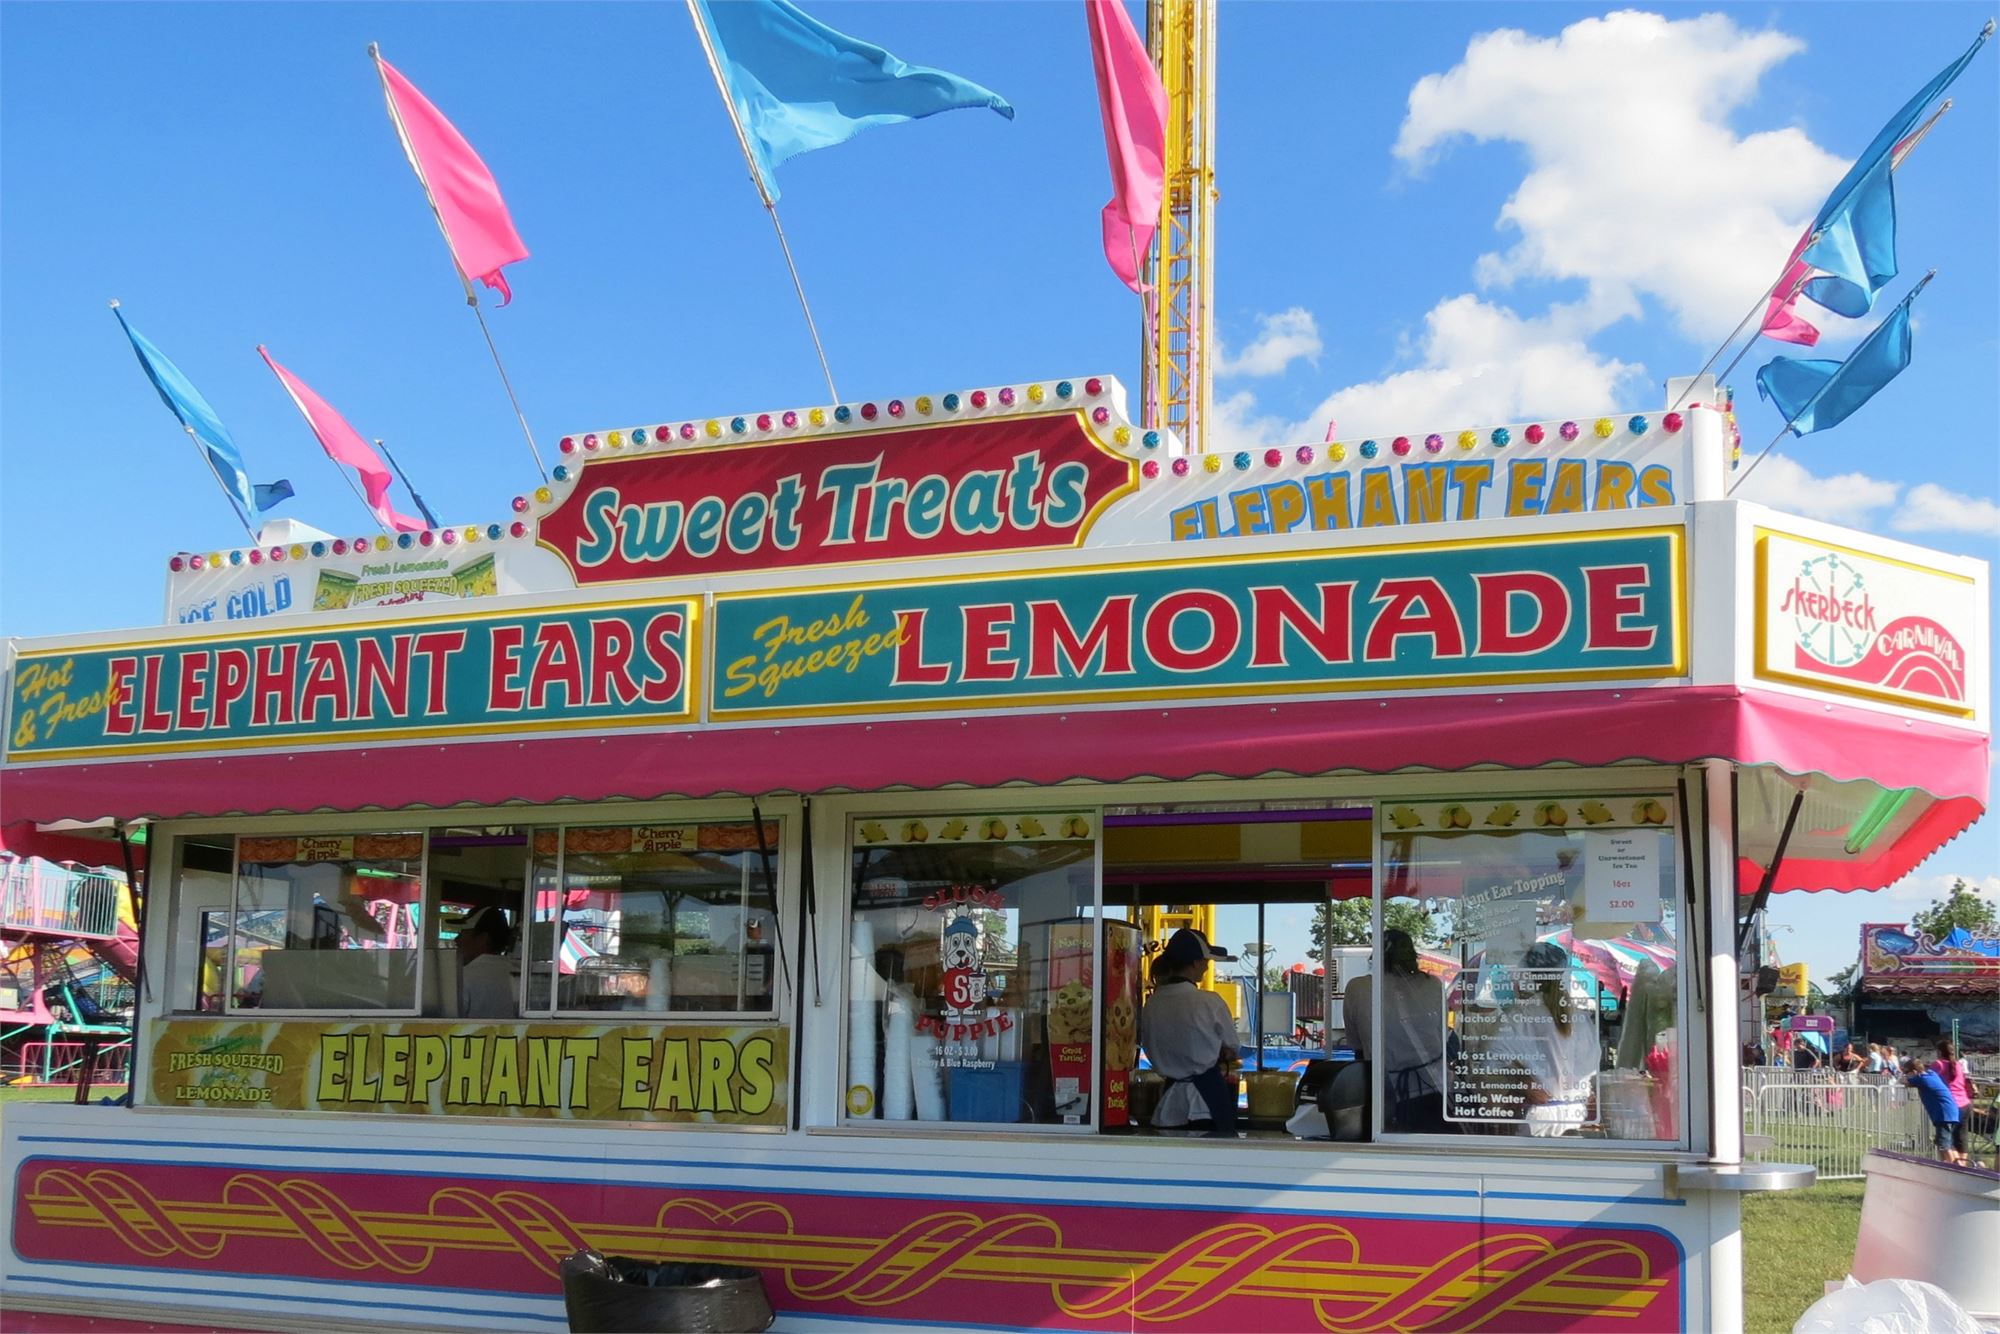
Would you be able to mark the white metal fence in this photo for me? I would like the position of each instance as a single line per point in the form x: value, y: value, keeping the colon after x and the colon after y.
x: 1829, y: 1120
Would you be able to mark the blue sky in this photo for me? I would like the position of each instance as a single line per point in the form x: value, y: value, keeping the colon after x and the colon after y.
x: 1418, y: 208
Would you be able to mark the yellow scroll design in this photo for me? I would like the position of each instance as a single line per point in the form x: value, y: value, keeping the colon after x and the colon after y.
x: 1320, y: 1262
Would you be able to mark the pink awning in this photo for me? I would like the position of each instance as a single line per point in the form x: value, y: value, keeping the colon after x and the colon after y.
x: 1584, y: 728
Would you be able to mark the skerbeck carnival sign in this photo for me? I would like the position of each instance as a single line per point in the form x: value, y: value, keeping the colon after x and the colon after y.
x: 1836, y: 619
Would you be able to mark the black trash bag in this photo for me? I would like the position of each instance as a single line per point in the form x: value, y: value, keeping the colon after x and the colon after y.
x: 610, y: 1294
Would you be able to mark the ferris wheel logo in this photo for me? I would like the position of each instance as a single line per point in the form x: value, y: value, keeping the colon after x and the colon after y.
x: 1832, y: 613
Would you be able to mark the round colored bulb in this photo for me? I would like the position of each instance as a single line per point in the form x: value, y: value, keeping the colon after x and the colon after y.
x: 590, y: 442
x: 763, y: 421
x: 1100, y: 415
x: 520, y: 504
x: 318, y: 549
x: 340, y: 546
x: 638, y: 435
x: 790, y: 419
x: 1123, y: 435
x: 493, y: 532
x: 1568, y: 430
x: 1093, y: 386
x: 1637, y: 425
x: 1502, y: 437
x: 923, y: 405
x: 177, y: 564
x: 1673, y: 422
x: 979, y: 398
x: 449, y: 537
x: 1180, y: 467
x: 1400, y: 445
x: 1036, y: 393
x: 868, y: 411
x: 568, y: 445
x: 1369, y: 449
x: 404, y: 540
x: 818, y: 416
x: 1604, y: 427
x: 1150, y: 468
x: 519, y: 530
x: 1534, y: 434
x: 1337, y: 452
x: 687, y: 430
x: 616, y: 440
x: 543, y: 494
x: 1467, y: 439
x: 1211, y: 463
x: 738, y: 425
x: 1304, y: 453
x: 895, y: 407
x: 1150, y: 440
x: 951, y: 402
x: 256, y: 556
x: 560, y: 472
x: 426, y: 538
x: 1064, y: 389
x: 1433, y: 443
x: 711, y: 428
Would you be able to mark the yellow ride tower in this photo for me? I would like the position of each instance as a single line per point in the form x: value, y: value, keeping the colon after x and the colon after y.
x: 1180, y: 338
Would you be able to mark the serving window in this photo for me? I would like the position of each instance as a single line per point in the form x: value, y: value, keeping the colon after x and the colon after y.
x: 973, y: 954
x: 1543, y: 1000
x: 654, y: 918
x: 326, y: 922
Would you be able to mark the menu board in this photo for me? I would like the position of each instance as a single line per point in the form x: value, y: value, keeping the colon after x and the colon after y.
x: 1522, y: 1043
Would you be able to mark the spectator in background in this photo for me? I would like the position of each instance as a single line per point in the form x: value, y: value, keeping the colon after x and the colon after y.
x: 1876, y: 1065
x: 1849, y: 1061
x: 1940, y: 1107
x: 1951, y: 1070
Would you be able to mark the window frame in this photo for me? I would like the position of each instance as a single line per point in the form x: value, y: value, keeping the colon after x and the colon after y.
x: 1093, y: 911
x: 419, y: 974
x: 1692, y: 1036
x: 780, y: 994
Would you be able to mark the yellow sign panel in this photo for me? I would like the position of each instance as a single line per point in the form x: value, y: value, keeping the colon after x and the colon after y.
x: 1791, y: 980
x: 704, y: 1074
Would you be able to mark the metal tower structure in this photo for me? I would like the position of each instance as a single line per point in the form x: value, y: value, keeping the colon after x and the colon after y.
x: 1180, y: 35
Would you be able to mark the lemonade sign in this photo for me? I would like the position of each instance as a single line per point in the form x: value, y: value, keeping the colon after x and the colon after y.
x: 702, y: 1074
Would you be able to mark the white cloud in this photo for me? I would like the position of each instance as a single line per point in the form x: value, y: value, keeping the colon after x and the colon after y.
x: 1920, y: 889
x: 1476, y: 363
x: 1636, y: 184
x: 1930, y: 508
x: 1289, y: 336
x: 1636, y: 187
x: 1850, y: 498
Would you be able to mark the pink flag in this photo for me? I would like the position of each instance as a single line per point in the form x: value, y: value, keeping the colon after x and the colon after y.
x: 1780, y: 320
x: 1135, y: 136
x: 464, y: 196
x: 344, y: 446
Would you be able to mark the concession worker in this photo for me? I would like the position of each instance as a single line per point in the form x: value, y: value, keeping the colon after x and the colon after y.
x: 1190, y: 1038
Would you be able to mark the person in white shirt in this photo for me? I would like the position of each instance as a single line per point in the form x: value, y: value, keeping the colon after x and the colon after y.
x: 1412, y: 1035
x: 486, y: 987
x: 1190, y: 1038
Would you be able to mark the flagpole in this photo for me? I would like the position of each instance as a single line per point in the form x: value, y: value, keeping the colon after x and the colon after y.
x: 1908, y: 297
x: 213, y: 471
x: 423, y: 509
x: 216, y: 473
x: 1896, y: 157
x: 471, y: 298
x: 757, y: 179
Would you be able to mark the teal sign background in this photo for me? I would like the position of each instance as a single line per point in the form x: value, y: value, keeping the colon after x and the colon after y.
x: 1019, y: 638
x: 607, y: 666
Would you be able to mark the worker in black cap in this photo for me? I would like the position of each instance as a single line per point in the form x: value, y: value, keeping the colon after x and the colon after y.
x: 1190, y: 1038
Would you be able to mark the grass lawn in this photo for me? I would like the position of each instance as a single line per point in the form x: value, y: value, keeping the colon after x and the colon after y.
x: 1793, y: 1243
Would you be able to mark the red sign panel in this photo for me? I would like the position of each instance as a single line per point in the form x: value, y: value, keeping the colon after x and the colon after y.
x: 1018, y: 484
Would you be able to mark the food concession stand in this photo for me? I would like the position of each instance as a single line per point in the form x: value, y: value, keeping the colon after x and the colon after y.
x: 798, y: 749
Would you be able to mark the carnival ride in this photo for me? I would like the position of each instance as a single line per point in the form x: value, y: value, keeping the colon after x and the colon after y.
x: 68, y: 960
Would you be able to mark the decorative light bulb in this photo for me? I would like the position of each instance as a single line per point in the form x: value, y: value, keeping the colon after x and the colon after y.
x: 1369, y: 449
x: 1534, y: 434
x: 1604, y: 428
x: 1093, y: 386
x: 1637, y: 425
x: 1568, y: 430
x: 1150, y: 468
x: 1673, y: 421
x: 1006, y: 396
x: 1502, y: 437
x: 1036, y: 393
x: 1180, y: 467
x: 1064, y: 389
x: 1304, y: 453
x: 1467, y: 439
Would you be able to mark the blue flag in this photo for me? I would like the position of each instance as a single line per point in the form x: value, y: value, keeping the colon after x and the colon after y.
x: 186, y: 403
x: 798, y: 85
x: 1856, y: 242
x: 1815, y: 395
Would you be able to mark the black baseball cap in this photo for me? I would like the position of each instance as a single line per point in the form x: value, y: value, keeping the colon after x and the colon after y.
x: 1188, y: 946
x: 489, y: 922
